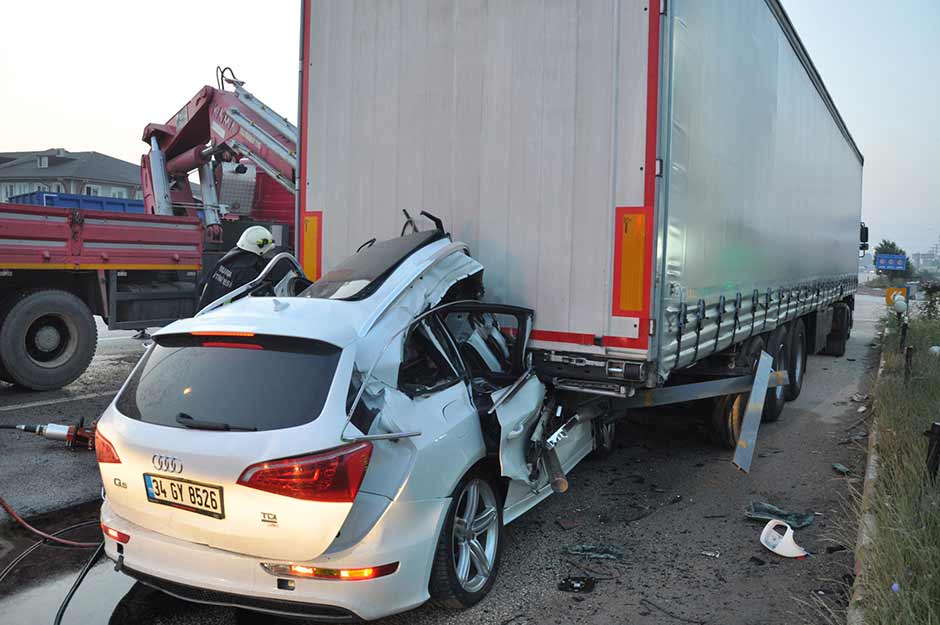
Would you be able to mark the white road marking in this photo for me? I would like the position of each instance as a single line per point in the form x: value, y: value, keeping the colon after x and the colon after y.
x: 61, y: 400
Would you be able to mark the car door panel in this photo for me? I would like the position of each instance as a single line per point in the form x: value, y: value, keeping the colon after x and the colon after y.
x: 517, y: 418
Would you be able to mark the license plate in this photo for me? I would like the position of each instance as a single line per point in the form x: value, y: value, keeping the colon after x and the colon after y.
x: 185, y: 495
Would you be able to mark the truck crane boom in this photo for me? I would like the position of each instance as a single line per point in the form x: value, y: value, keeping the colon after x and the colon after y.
x: 215, y: 126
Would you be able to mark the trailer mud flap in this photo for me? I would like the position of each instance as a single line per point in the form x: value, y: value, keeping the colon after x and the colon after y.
x: 744, y: 452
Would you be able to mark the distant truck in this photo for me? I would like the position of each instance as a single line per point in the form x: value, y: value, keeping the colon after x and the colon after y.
x: 668, y: 185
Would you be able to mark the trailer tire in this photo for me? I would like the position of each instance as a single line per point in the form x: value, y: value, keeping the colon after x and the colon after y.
x: 47, y: 339
x: 778, y: 346
x: 797, y: 367
x: 728, y: 412
x: 837, y: 338
x: 605, y: 433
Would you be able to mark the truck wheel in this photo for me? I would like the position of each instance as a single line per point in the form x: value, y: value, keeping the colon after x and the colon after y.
x: 47, y: 339
x: 778, y: 346
x: 604, y: 434
x: 728, y: 413
x: 466, y: 559
x: 836, y: 339
x: 4, y: 308
x: 797, y: 368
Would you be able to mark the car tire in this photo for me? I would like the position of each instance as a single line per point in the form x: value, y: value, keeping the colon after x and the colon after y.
x: 778, y: 346
x: 458, y: 576
x: 729, y: 410
x: 47, y: 339
x: 797, y: 368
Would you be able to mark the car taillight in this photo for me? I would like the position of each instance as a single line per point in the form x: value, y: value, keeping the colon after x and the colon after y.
x: 316, y: 572
x: 104, y: 450
x: 112, y: 533
x: 334, y: 475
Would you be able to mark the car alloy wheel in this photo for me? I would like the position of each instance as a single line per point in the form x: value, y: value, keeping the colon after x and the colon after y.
x: 475, y: 535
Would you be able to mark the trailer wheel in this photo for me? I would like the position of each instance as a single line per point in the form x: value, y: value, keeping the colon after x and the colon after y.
x: 797, y: 368
x: 47, y: 339
x: 604, y: 434
x: 836, y: 339
x: 728, y: 413
x: 778, y: 346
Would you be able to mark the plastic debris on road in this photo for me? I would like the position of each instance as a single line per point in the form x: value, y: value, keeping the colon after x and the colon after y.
x: 597, y: 552
x: 712, y: 554
x: 577, y: 584
x: 782, y: 545
x: 760, y: 511
x: 934, y: 350
x: 841, y: 468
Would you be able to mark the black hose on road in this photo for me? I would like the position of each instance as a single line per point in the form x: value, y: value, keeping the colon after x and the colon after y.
x: 78, y: 580
x: 39, y: 543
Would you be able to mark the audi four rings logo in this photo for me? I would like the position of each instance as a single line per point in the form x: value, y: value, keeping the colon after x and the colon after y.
x: 168, y: 464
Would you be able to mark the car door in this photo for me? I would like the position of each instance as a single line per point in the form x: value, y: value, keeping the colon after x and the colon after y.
x: 434, y: 385
x: 492, y: 340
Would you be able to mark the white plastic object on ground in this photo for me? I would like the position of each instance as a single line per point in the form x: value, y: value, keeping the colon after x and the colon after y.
x: 934, y: 350
x: 781, y: 545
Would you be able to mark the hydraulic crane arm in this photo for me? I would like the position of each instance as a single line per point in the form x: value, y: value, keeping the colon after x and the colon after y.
x: 217, y: 125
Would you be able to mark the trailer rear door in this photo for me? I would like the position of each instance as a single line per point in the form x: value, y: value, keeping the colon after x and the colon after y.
x: 529, y: 127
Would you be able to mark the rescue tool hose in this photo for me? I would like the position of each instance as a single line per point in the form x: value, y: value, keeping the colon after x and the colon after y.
x: 39, y: 543
x: 40, y: 533
x: 78, y: 580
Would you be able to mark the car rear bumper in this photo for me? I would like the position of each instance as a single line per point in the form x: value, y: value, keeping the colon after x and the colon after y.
x: 407, y: 533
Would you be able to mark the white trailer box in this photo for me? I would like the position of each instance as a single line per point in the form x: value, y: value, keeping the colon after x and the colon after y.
x: 639, y: 174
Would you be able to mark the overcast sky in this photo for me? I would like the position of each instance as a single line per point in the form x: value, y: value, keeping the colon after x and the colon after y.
x: 90, y: 75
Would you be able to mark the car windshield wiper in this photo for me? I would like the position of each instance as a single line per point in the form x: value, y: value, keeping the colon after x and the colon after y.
x: 196, y: 424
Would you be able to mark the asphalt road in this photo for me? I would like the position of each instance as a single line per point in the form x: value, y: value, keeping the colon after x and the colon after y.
x: 664, y: 497
x: 37, y: 475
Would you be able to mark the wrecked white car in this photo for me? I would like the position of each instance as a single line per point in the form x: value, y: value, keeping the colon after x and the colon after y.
x: 343, y: 452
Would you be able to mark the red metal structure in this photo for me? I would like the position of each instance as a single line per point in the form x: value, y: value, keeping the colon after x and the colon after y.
x: 59, y: 267
x: 214, y: 128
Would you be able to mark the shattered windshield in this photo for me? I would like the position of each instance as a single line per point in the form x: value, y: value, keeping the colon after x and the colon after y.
x: 360, y: 275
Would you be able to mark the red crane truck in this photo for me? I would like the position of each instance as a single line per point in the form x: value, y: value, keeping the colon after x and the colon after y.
x: 59, y: 266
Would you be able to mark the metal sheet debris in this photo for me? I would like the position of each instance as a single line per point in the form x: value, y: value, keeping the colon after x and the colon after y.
x: 597, y: 552
x: 761, y: 511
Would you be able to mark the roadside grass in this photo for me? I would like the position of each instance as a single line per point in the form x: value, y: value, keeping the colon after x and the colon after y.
x: 901, y: 573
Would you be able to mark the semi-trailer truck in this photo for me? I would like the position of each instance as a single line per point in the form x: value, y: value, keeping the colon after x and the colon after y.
x: 670, y: 186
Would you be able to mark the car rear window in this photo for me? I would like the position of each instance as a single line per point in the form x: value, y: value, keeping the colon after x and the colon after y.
x: 246, y: 382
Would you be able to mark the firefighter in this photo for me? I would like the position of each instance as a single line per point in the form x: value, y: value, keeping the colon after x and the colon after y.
x: 240, y: 266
